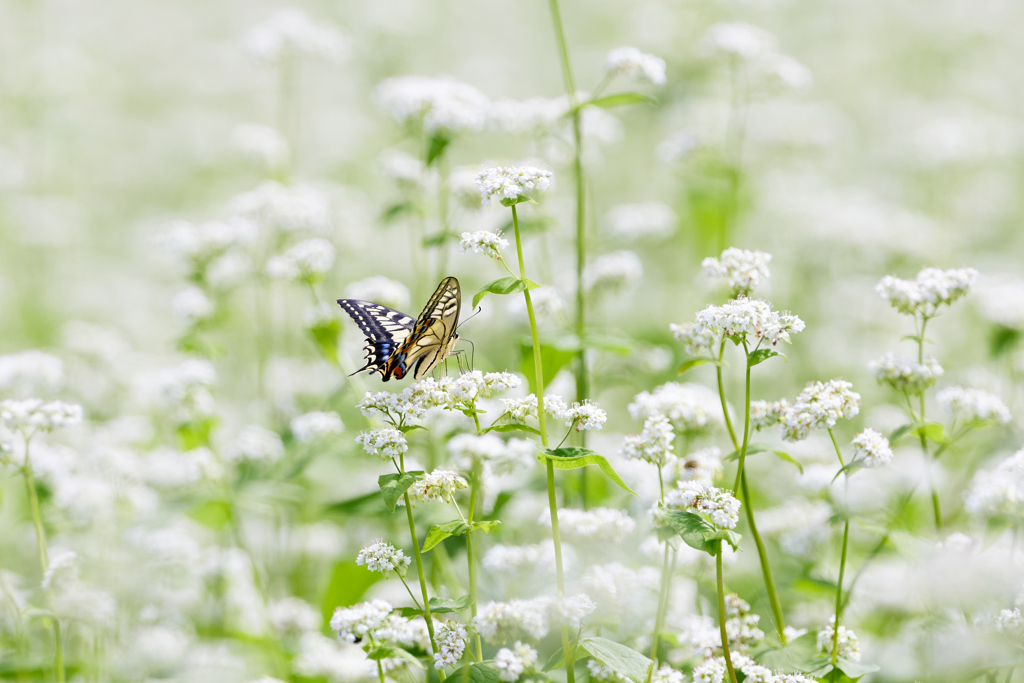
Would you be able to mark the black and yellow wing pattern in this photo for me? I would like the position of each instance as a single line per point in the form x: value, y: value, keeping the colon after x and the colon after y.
x: 396, y: 342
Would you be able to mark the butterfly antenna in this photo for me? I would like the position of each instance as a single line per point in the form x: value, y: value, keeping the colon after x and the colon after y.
x: 475, y: 314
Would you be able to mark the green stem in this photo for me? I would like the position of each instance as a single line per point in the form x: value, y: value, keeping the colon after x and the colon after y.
x: 842, y: 560
x: 721, y: 614
x: 936, y: 510
x: 721, y: 396
x: 470, y: 556
x: 746, y: 429
x: 44, y: 561
x: 659, y: 615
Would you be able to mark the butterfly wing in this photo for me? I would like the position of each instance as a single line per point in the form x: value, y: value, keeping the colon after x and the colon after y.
x: 433, y: 337
x: 385, y: 329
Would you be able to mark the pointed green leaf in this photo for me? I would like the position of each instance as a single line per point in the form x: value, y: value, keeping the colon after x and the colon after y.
x: 409, y: 612
x: 789, y: 458
x: 396, y: 210
x: 439, y: 532
x: 405, y: 429
x: 506, y: 201
x: 751, y: 449
x: 438, y: 143
x: 760, y: 356
x: 390, y: 651
x: 619, y: 658
x: 619, y: 99
x: 477, y: 672
x: 505, y: 285
x: 849, y: 469
x: 486, y: 527
x: 446, y: 605
x: 854, y: 669
x: 511, y: 428
x: 392, y: 486
x: 931, y: 430
x: 691, y: 363
x: 553, y: 358
x: 899, y: 432
x: 572, y: 458
x: 698, y: 533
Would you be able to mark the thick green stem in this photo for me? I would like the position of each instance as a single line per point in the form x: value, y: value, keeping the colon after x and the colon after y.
x: 721, y: 614
x: 662, y: 599
x: 44, y: 562
x: 936, y: 510
x: 842, y: 559
x: 721, y: 396
x: 470, y: 556
x: 746, y: 431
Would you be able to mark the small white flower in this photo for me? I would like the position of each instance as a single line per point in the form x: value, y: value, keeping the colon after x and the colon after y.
x: 587, y: 415
x: 308, y: 260
x: 743, y: 270
x: 609, y: 272
x: 502, y: 622
x: 636, y: 65
x: 904, y: 374
x: 438, y: 485
x: 30, y: 373
x: 519, y: 409
x: 385, y: 442
x: 666, y: 674
x: 848, y: 643
x: 262, y: 144
x: 255, y: 444
x: 288, y: 208
x: 513, y: 663
x: 819, y: 406
x: 483, y: 242
x: 356, y: 622
x: 704, y: 465
x: 379, y: 290
x: 717, y: 505
x: 32, y: 415
x: 442, y: 106
x: 511, y: 182
x: 998, y: 491
x: 291, y: 32
x: 312, y: 426
x: 931, y: 289
x: 764, y: 414
x: 383, y: 557
x: 690, y: 407
x: 737, y: 41
x: 451, y: 644
x: 973, y: 405
x: 872, y: 447
x: 192, y: 305
x: 599, y: 673
x: 292, y: 615
x: 654, y: 444
x: 603, y: 525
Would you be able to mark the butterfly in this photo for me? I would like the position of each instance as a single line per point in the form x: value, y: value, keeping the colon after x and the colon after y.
x: 395, y: 341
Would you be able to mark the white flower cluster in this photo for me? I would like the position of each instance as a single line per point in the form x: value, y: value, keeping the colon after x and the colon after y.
x: 483, y: 242
x: 442, y: 106
x: 718, y: 505
x: 201, y: 243
x: 356, y: 622
x: 308, y: 260
x: 653, y: 444
x: 587, y: 416
x: 819, y: 406
x: 30, y: 373
x: 511, y: 182
x: 459, y: 393
x: 497, y: 456
x: 255, y: 444
x: 690, y: 407
x: 703, y: 465
x: 999, y: 491
x: 802, y: 525
x: 292, y: 32
x: 502, y: 622
x: 614, y: 271
x: 905, y: 374
x: 519, y: 409
x: 742, y: 319
x: 293, y: 615
x: 513, y: 662
x: 973, y: 405
x: 744, y: 270
x: 932, y: 288
x: 636, y: 65
x: 597, y: 525
x: 764, y: 414
x: 381, y: 290
x: 713, y: 670
x: 637, y: 221
x: 509, y: 559
x: 741, y: 626
x: 383, y: 557
x: 309, y: 427
x: 1001, y: 301
x: 192, y: 305
x: 323, y: 657
x: 385, y: 442
x: 848, y: 643
x: 872, y: 447
x: 33, y: 415
x: 437, y: 486
x: 599, y: 673
x: 261, y: 144
x: 451, y: 644
x: 757, y: 51
x: 288, y: 208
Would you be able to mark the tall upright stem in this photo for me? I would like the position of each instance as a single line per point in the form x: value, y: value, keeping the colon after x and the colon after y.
x: 470, y: 556
x: 538, y: 368
x: 842, y: 558
x: 721, y: 614
x: 936, y: 510
x: 44, y: 561
x: 746, y: 431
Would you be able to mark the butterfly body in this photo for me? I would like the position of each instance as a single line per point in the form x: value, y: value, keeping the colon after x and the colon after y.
x: 396, y: 342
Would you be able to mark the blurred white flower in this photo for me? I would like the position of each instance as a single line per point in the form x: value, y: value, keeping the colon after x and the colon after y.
x: 438, y: 486
x: 201, y: 243
x: 513, y: 663
x: 288, y: 208
x: 380, y: 290
x: 998, y: 491
x: 537, y: 115
x: 309, y: 427
x: 255, y: 444
x: 262, y: 144
x: 614, y: 271
x: 764, y: 414
x: 504, y: 622
x: 848, y: 644
x: 1001, y: 301
x: 872, y: 447
x: 737, y: 41
x: 293, y: 615
x: 905, y: 374
x: 383, y: 557
x: 461, y: 184
x: 291, y: 32
x: 30, y: 373
x: 690, y: 407
x: 547, y: 304
x: 702, y: 465
x: 932, y: 288
x: 636, y: 65
x: 357, y: 622
x: 973, y: 405
x: 323, y: 657
x: 638, y: 221
x: 441, y: 105
x: 409, y: 173
x: 482, y: 242
x: 192, y: 305
x: 819, y: 406
x: 385, y: 443
x: 451, y: 644
x: 654, y: 444
x: 511, y: 182
x: 603, y: 525
x: 308, y: 260
x: 31, y: 416
x: 743, y: 270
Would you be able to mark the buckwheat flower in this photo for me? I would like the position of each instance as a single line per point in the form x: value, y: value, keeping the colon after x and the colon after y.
x: 848, y: 643
x: 636, y: 65
x: 973, y: 405
x: 703, y: 465
x: 717, y: 505
x: 502, y: 381
x: 483, y: 242
x: 503, y: 622
x: 690, y: 407
x: 819, y: 406
x: 379, y: 290
x: 200, y: 243
x: 644, y: 220
x: 654, y: 444
x: 288, y: 208
x: 356, y: 622
x: 932, y: 288
x: 326, y: 658
x: 292, y: 615
x: 409, y: 633
x: 406, y: 405
x: 291, y: 32
x: 466, y: 449
x: 1010, y: 621
x: 586, y: 415
x: 696, y: 339
x: 1001, y: 301
x: 755, y: 673
x: 512, y: 182
x: 451, y: 644
x: 710, y: 671
x: 308, y: 260
x: 192, y: 305
x: 442, y: 106
x: 999, y: 491
x: 262, y: 144
x: 614, y: 271
x: 316, y: 425
x: 602, y: 525
x: 743, y: 270
x: 750, y: 320
x: 468, y: 387
x: 513, y: 663
x: 666, y: 674
x: 409, y: 173
x: 737, y: 41
x: 383, y: 557
x: 255, y: 444
x: 438, y: 485
x: 63, y: 569
x: 30, y: 373
x: 385, y: 442
x: 905, y: 374
x: 519, y: 409
x: 32, y: 415
x: 872, y: 447
x: 599, y: 673
x: 764, y: 414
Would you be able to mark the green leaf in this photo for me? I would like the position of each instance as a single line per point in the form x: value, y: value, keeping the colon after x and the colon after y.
x: 1003, y: 339
x: 439, y: 532
x: 503, y: 286
x: 436, y: 148
x: 405, y: 429
x: 817, y: 668
x: 477, y: 672
x: 396, y: 210
x: 751, y: 449
x: 553, y: 359
x: 899, y: 432
x: 691, y: 363
x: 388, y: 651
x: 854, y: 669
x: 516, y: 200
x: 392, y: 486
x: 789, y: 458
x: 214, y: 514
x: 760, y: 356
x: 446, y: 605
x: 619, y: 99
x: 931, y: 430
x: 849, y: 469
x: 511, y: 428
x: 698, y: 533
x: 485, y: 527
x: 619, y: 658
x: 348, y: 583
x: 573, y: 457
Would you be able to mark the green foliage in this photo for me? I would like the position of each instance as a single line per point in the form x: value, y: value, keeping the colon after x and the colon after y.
x: 574, y: 457
x: 697, y: 532
x: 346, y: 587
x: 393, y: 486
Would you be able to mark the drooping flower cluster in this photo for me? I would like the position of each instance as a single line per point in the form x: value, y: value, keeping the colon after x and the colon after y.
x: 743, y: 270
x: 654, y: 444
x: 905, y: 374
x: 483, y: 242
x: 451, y: 644
x: 932, y: 288
x: 873, y: 448
x: 385, y: 442
x: 512, y: 182
x: 973, y: 405
x: 636, y: 65
x: 819, y: 406
x: 719, y: 506
x: 744, y: 320
x: 848, y: 644
x: 999, y: 491
x: 442, y: 106
x: 383, y: 557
